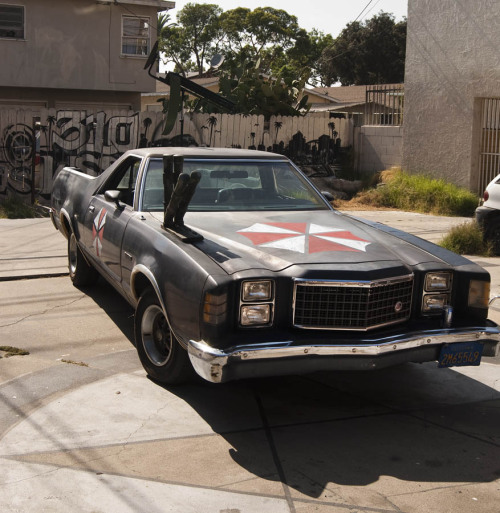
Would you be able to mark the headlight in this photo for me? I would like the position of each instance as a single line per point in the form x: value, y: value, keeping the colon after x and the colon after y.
x: 256, y: 290
x: 261, y: 294
x: 437, y: 282
x: 479, y: 294
x: 436, y: 295
x: 435, y: 302
x: 252, y: 315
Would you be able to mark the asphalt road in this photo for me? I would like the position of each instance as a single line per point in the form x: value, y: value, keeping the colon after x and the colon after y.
x: 82, y: 428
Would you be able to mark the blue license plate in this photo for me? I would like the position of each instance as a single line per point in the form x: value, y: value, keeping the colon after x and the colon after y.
x: 460, y: 354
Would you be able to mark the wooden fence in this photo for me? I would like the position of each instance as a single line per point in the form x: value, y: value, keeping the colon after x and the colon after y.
x: 38, y: 143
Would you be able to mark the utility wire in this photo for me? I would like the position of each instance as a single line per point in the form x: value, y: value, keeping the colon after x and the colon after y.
x: 361, y: 13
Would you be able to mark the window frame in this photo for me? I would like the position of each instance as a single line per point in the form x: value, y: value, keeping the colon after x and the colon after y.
x: 22, y: 9
x: 124, y: 38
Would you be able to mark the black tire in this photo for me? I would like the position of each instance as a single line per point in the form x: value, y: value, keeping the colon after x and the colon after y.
x: 161, y: 355
x: 492, y: 236
x: 80, y: 271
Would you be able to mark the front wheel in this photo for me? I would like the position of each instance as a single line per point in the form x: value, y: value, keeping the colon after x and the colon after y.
x: 80, y: 271
x: 161, y: 355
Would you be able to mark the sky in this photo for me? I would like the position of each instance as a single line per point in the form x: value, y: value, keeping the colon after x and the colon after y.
x: 329, y: 16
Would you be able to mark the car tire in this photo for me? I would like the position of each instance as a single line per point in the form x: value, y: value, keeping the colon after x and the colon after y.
x: 161, y: 355
x: 80, y: 271
x: 492, y: 236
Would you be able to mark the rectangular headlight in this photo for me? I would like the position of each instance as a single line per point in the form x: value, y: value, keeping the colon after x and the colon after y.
x: 479, y: 293
x: 434, y: 302
x: 437, y: 282
x: 254, y: 315
x: 261, y: 290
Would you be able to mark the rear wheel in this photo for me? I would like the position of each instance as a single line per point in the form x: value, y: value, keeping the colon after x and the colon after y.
x: 161, y: 355
x: 80, y: 271
x: 492, y: 236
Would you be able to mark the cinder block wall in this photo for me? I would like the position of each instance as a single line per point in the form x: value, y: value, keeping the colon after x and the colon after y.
x: 379, y: 148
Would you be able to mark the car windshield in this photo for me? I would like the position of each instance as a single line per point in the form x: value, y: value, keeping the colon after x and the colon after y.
x: 227, y: 185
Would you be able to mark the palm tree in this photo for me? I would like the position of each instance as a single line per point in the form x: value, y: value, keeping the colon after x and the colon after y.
x: 212, y: 123
x: 277, y: 127
x: 163, y: 22
x: 51, y: 120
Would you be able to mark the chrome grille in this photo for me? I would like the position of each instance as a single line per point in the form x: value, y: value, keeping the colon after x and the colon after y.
x: 352, y: 305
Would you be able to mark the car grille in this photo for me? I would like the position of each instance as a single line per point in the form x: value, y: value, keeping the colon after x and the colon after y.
x: 352, y: 305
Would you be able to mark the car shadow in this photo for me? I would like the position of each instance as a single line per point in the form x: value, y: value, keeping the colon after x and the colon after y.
x: 113, y: 305
x: 355, y: 428
x: 415, y: 422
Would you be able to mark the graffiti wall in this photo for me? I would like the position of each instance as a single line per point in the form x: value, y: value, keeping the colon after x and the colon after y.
x: 35, y: 145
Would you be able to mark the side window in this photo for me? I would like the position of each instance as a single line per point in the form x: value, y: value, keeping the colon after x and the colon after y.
x: 153, y: 196
x: 135, y: 35
x: 12, y: 21
x: 124, y: 179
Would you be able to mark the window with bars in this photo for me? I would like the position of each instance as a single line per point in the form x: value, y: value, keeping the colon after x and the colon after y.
x: 12, y: 21
x: 135, y: 35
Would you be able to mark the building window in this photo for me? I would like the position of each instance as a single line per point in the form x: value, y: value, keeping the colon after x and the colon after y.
x: 12, y: 21
x: 135, y: 35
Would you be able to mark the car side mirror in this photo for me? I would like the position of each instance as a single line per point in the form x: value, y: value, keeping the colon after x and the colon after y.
x: 328, y: 195
x: 114, y: 197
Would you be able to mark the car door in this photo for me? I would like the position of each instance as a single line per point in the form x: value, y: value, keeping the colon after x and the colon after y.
x: 105, y: 220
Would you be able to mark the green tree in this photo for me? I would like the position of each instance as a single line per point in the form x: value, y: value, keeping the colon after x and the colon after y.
x: 370, y: 52
x: 303, y: 59
x: 193, y: 40
x: 256, y: 94
x: 254, y: 34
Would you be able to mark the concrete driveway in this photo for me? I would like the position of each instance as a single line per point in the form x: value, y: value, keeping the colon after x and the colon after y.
x: 82, y: 428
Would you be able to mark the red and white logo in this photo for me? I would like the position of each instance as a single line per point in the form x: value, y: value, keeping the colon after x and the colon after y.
x: 303, y: 237
x: 98, y: 231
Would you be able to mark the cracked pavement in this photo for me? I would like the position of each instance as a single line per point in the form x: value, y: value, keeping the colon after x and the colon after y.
x: 412, y: 439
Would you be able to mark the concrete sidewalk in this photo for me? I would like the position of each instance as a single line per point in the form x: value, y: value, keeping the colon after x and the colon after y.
x: 31, y: 248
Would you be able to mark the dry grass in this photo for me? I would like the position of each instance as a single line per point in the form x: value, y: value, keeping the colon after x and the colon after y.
x: 395, y: 190
x: 13, y: 351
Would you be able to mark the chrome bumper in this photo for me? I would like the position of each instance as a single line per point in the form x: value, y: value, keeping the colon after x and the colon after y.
x: 286, y: 357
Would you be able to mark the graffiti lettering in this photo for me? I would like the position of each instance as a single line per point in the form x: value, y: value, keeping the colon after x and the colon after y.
x: 91, y: 142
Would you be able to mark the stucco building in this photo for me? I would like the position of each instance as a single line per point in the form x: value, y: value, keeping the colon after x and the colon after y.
x: 71, y: 54
x: 452, y: 90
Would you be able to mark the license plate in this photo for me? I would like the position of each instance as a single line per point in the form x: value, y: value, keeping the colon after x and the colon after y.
x: 460, y: 354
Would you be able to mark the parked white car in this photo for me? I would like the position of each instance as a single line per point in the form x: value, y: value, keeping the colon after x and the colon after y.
x: 488, y: 214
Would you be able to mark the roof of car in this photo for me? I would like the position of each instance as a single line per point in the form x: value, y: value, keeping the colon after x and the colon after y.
x: 203, y: 152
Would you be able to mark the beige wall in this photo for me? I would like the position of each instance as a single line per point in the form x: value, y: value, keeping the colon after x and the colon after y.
x: 76, y: 45
x: 378, y: 147
x: 452, y: 59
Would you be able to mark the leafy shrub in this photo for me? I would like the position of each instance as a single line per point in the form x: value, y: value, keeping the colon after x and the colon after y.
x: 467, y: 239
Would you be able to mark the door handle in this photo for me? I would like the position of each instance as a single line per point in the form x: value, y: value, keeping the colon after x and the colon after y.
x: 91, y: 208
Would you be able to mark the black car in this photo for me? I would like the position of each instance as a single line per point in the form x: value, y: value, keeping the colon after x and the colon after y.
x: 238, y: 267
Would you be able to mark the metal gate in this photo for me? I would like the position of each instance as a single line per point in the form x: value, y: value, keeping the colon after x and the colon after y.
x: 489, y: 153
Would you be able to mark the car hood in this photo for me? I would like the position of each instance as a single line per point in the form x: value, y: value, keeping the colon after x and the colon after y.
x: 239, y: 241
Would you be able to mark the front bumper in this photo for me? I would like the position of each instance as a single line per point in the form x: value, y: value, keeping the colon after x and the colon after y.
x: 281, y: 358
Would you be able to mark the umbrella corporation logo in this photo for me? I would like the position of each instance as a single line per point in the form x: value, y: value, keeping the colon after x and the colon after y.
x: 303, y: 237
x: 98, y: 230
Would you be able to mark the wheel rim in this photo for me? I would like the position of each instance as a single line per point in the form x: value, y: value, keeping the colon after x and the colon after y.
x: 156, y: 336
x: 72, y: 254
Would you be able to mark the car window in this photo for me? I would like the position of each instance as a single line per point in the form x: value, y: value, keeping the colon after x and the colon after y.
x: 227, y: 185
x: 124, y: 179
